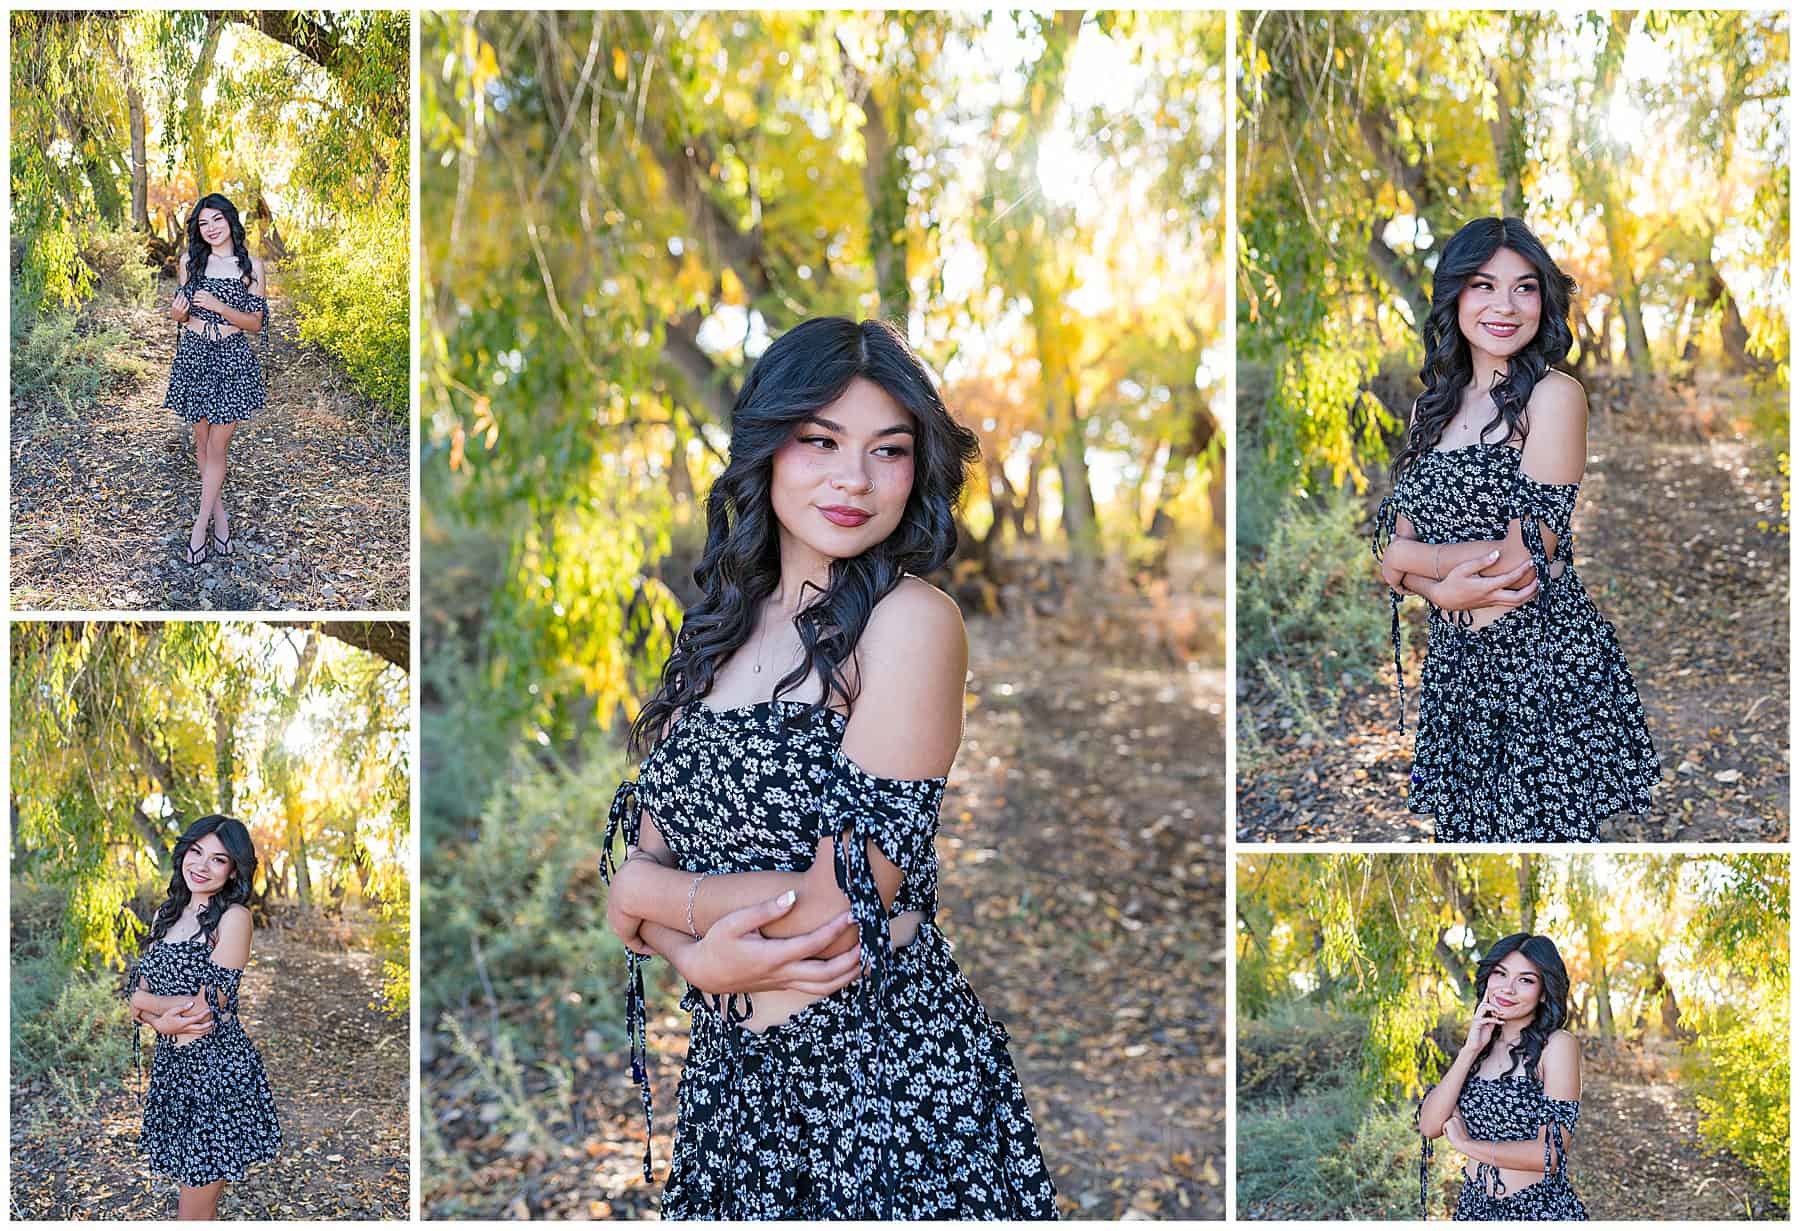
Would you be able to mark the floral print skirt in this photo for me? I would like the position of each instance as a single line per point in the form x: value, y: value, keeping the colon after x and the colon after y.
x: 1530, y: 728
x: 208, y: 1112
x: 894, y: 1103
x: 1551, y: 1200
x: 215, y: 381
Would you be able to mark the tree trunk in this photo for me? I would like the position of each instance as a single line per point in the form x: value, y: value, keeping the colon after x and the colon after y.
x: 1597, y: 976
x: 225, y: 755
x: 1452, y: 963
x: 1527, y: 893
x: 884, y: 136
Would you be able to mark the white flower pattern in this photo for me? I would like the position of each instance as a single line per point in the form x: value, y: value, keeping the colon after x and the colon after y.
x: 1512, y: 1108
x: 1530, y: 728
x: 217, y: 379
x: 208, y: 1113
x: 892, y: 1098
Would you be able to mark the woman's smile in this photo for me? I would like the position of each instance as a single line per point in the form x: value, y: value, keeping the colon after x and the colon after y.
x: 845, y: 515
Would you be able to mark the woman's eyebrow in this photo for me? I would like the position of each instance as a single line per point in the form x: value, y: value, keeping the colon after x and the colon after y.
x: 828, y: 425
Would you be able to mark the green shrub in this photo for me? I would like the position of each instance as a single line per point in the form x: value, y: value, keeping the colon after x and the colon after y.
x: 69, y: 1026
x: 516, y: 906
x: 350, y: 290
x: 62, y: 360
x: 1330, y: 1154
x: 117, y: 259
x: 1296, y: 1046
x: 1312, y: 600
x: 1743, y: 1082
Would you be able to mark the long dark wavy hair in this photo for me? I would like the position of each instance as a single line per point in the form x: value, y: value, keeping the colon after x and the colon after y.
x: 1553, y: 997
x: 198, y: 249
x: 801, y: 373
x: 234, y: 835
x: 1449, y: 367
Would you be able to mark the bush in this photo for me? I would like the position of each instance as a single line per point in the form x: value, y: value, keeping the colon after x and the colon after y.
x: 1297, y: 1046
x: 69, y: 1026
x: 1743, y: 1082
x: 117, y: 259
x: 1312, y: 599
x: 516, y: 907
x: 62, y: 360
x: 1331, y: 1154
x: 351, y: 293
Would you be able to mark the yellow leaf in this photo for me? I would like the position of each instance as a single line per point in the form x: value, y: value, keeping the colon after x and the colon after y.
x: 619, y: 63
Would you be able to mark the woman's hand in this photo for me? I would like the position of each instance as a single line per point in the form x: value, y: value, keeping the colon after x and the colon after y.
x: 1456, y: 1133
x: 193, y: 1020
x: 1465, y: 587
x: 735, y: 957
x: 625, y: 925
x: 179, y: 309
x: 1393, y: 575
x: 207, y: 300
x: 1483, y: 1028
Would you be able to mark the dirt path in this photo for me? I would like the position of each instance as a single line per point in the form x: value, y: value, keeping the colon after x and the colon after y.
x: 1082, y: 865
x: 316, y: 492
x: 1669, y: 544
x: 340, y: 1072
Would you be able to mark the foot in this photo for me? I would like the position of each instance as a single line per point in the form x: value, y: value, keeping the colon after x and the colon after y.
x: 220, y: 547
x: 197, y: 552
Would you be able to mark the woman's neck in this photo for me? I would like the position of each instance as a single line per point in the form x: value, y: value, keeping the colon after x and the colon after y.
x: 1487, y: 367
x: 198, y: 904
x: 804, y: 576
x: 223, y: 250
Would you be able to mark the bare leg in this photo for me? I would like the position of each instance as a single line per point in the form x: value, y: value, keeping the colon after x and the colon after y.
x: 202, y: 447
x: 212, y: 477
x: 200, y: 1204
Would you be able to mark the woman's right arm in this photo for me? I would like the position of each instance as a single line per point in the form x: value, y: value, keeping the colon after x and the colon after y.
x: 1440, y: 1104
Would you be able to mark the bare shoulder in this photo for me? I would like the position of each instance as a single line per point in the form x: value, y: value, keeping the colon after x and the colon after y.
x: 911, y: 664
x: 1556, y: 431
x: 1558, y: 397
x: 236, y: 919
x: 915, y: 613
x: 1562, y: 1050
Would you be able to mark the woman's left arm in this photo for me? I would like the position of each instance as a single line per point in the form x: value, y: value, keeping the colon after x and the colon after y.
x: 1562, y: 1081
x: 1555, y: 453
x: 907, y: 723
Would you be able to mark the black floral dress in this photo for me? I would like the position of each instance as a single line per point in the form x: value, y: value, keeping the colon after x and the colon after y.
x: 216, y: 376
x: 1530, y: 728
x: 891, y: 1098
x: 208, y: 1112
x: 1512, y: 1108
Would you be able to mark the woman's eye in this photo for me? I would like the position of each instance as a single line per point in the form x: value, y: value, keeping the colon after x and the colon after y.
x: 894, y: 451
x: 819, y: 442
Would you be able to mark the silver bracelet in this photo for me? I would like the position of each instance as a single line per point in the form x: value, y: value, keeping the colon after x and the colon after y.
x: 692, y: 890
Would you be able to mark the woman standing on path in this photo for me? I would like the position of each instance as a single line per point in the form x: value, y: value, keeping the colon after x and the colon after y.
x: 216, y: 382
x: 1530, y: 728
x: 1513, y: 1094
x: 208, y: 1112
x: 779, y: 834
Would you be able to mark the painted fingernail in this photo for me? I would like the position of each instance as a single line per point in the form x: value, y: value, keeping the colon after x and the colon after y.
x: 787, y: 899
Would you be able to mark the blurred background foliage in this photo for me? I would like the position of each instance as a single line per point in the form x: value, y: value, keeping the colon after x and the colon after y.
x: 1355, y: 986
x: 121, y: 121
x: 123, y: 734
x: 1649, y: 151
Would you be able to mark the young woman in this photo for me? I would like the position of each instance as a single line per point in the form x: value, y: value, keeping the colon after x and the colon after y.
x: 216, y: 382
x: 779, y: 833
x: 208, y: 1113
x: 1530, y: 728
x: 1509, y: 1103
